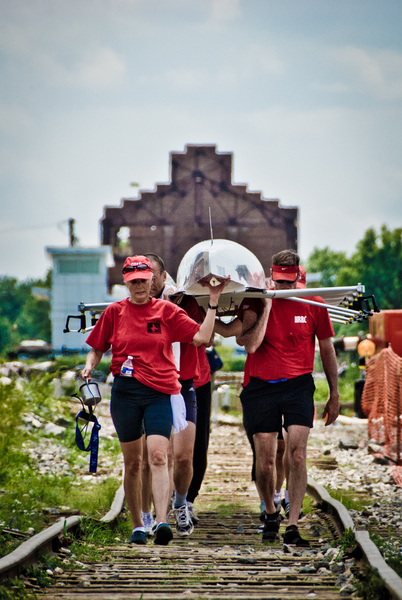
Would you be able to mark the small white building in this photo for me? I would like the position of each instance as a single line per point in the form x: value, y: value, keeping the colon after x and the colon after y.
x: 79, y: 275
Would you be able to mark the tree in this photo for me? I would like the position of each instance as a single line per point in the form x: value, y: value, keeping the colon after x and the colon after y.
x: 21, y: 315
x: 328, y: 263
x: 378, y: 260
x: 376, y: 263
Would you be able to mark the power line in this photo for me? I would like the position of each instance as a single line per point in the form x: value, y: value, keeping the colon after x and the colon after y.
x: 26, y: 228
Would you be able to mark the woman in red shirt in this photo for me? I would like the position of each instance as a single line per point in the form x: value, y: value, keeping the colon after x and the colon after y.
x: 144, y: 329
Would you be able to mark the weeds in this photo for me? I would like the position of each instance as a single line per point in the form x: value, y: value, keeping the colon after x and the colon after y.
x: 346, y: 543
x: 14, y: 589
x: 89, y: 540
x: 26, y: 493
x: 369, y: 585
x: 349, y: 500
x: 390, y: 549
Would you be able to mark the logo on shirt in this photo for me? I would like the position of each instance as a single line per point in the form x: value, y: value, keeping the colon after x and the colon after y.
x: 300, y: 319
x: 154, y: 327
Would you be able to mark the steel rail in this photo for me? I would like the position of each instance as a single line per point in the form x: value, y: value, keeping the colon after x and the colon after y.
x: 344, y: 521
x: 27, y: 552
x: 48, y: 538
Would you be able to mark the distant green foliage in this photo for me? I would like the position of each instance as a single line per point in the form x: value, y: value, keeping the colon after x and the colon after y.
x: 327, y: 262
x: 232, y: 361
x: 22, y: 316
x: 376, y: 263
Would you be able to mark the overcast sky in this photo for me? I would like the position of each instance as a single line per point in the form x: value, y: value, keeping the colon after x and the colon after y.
x: 95, y: 94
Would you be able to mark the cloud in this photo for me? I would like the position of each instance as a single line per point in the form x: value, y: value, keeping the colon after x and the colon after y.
x: 62, y: 57
x: 98, y: 68
x: 225, y: 10
x: 184, y: 79
x: 379, y: 71
x: 236, y: 66
x: 14, y: 121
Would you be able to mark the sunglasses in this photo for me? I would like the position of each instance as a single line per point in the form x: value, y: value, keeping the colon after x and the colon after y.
x: 284, y: 281
x: 140, y: 267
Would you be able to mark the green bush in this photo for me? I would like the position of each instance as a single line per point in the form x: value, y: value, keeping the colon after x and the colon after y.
x: 232, y: 361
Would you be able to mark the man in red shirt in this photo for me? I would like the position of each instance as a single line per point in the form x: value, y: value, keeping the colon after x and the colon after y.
x: 280, y: 345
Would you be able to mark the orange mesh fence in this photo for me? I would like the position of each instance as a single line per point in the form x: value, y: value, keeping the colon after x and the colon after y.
x: 382, y: 402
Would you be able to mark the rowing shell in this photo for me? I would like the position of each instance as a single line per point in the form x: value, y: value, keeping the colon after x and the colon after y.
x: 214, y: 260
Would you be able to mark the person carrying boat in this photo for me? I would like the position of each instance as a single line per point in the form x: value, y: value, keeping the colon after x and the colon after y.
x: 280, y: 346
x: 144, y: 328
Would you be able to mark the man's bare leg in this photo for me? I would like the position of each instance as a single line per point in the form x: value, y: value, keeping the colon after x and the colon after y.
x: 265, y: 452
x: 297, y: 479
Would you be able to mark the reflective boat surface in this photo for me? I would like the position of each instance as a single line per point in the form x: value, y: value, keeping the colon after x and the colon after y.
x: 217, y: 259
x: 213, y: 260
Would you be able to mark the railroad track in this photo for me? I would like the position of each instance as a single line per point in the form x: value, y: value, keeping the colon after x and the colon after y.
x: 224, y: 558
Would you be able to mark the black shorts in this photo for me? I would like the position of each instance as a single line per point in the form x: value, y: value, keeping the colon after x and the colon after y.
x: 190, y: 399
x: 266, y: 406
x: 136, y: 407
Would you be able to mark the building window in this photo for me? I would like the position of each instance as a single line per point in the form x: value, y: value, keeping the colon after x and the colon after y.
x: 67, y: 266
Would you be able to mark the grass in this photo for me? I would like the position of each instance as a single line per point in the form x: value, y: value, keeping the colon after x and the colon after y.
x: 15, y: 589
x: 25, y: 492
x: 349, y: 500
x: 89, y: 542
x: 390, y: 549
x: 72, y: 362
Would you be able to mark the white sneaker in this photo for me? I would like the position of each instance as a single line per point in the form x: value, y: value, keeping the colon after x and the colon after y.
x: 149, y: 521
x: 184, y: 525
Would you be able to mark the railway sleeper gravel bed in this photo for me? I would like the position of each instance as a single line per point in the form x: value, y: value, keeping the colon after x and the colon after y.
x: 225, y: 556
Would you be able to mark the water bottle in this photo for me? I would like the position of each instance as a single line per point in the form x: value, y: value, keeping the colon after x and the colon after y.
x: 127, y: 368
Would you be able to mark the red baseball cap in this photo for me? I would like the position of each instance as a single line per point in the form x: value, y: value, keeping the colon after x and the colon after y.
x: 137, y: 267
x: 285, y: 273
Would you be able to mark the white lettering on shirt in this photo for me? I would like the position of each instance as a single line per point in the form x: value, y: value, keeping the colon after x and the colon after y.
x: 300, y: 319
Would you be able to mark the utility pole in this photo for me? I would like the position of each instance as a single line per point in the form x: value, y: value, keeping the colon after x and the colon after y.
x: 73, y: 239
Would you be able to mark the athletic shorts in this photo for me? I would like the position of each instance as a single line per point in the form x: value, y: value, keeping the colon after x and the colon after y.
x: 267, y: 405
x: 136, y: 408
x: 190, y: 399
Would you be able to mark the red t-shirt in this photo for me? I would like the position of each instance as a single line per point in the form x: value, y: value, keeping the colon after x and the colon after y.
x: 195, y: 362
x: 205, y: 369
x: 145, y: 332
x: 288, y: 347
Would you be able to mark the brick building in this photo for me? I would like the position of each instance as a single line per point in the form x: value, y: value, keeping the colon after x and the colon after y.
x: 175, y: 216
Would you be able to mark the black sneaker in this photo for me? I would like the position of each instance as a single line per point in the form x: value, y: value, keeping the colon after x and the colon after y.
x: 285, y: 506
x: 163, y: 534
x: 292, y: 537
x: 271, y: 528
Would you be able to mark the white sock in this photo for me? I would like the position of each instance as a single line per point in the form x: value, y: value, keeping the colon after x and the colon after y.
x: 139, y: 529
x: 286, y: 496
x: 277, y: 497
